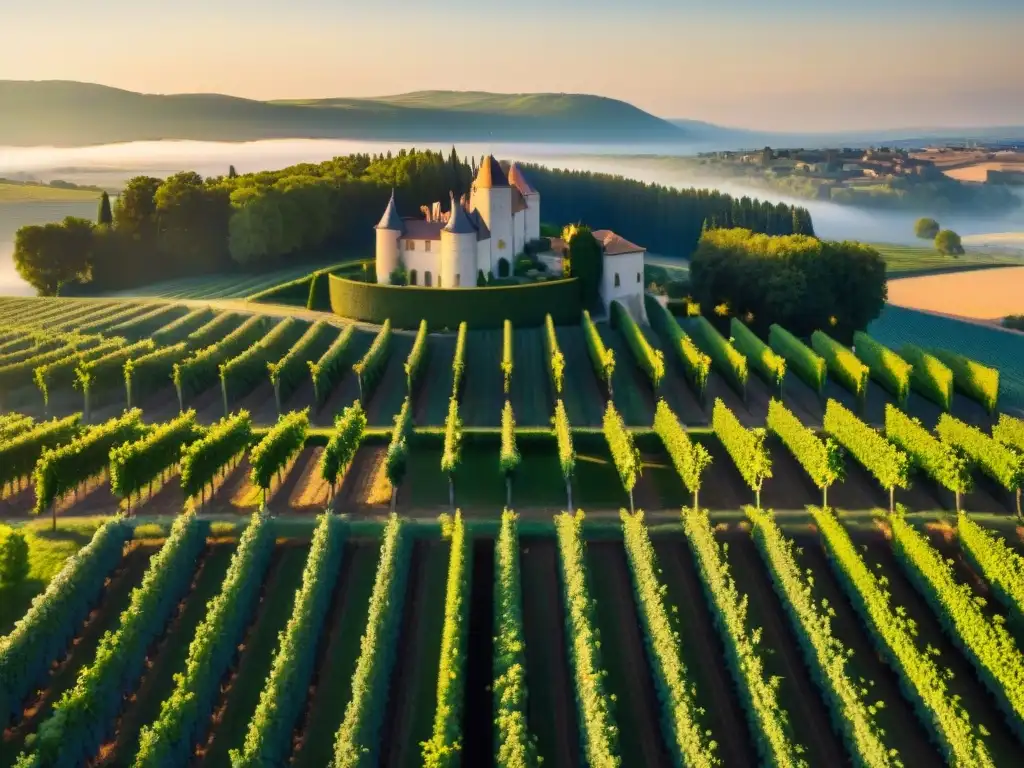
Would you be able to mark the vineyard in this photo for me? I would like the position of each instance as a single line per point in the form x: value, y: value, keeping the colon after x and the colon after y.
x: 724, y: 550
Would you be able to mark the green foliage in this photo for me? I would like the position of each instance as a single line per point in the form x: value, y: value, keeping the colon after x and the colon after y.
x: 1009, y: 431
x: 186, y: 714
x: 810, y: 367
x: 342, y: 447
x: 886, y: 463
x: 524, y: 304
x: 696, y: 364
x: 445, y: 744
x: 287, y: 374
x: 563, y: 435
x: 725, y: 359
x: 796, y: 281
x: 995, y: 459
x: 14, y: 564
x: 356, y: 742
x: 459, y: 360
x: 689, y: 458
x: 414, y: 364
x: 148, y: 324
x: 942, y: 463
x: 452, y: 453
x: 886, y: 367
x: 281, y: 444
x: 14, y: 424
x: 268, y: 740
x: 585, y: 261
x: 625, y: 454
x: 516, y: 746
x: 49, y: 255
x: 893, y: 634
x: 926, y: 228
x: 21, y: 373
x: 977, y: 381
x: 104, y: 216
x: 202, y: 460
x: 1001, y: 566
x: 42, y: 635
x: 554, y: 356
x: 845, y: 367
x: 137, y: 464
x: 196, y: 373
x: 948, y: 242
x: 508, y: 457
x: 929, y: 376
x: 19, y: 454
x: 770, y: 365
x: 758, y: 692
x: 986, y: 643
x: 63, y: 373
x: 370, y: 368
x: 242, y: 373
x: 398, y: 448
x: 107, y: 370
x: 598, y: 732
x: 62, y: 468
x: 824, y: 653
x: 602, y: 358
x: 86, y: 716
x: 214, y: 329
x: 648, y: 359
x: 821, y: 459
x: 153, y: 370
x: 507, y: 354
x: 328, y: 370
x: 745, y: 446
x: 680, y: 714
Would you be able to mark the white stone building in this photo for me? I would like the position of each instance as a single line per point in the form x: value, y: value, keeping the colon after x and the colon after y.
x: 486, y: 233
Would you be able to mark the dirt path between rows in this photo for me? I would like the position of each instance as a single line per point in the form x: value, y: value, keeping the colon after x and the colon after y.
x: 478, y: 699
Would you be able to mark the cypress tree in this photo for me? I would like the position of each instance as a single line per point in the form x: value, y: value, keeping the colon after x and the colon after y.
x: 232, y: 173
x: 104, y: 217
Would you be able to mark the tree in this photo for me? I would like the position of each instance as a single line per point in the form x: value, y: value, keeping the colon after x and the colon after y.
x: 481, y: 280
x: 49, y: 255
x: 586, y: 261
x: 104, y: 217
x: 948, y: 242
x: 232, y: 173
x: 14, y: 564
x: 135, y: 209
x: 926, y: 228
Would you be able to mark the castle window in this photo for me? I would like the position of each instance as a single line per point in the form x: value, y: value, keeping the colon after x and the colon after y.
x: 412, y: 277
x: 458, y: 280
x: 426, y: 246
x: 638, y: 277
x: 410, y: 245
x: 427, y: 281
x: 617, y: 283
x: 502, y: 267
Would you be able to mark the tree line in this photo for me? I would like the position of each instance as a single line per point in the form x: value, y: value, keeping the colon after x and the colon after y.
x: 187, y: 225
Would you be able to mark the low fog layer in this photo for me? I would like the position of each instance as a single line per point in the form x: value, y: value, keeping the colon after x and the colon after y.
x: 110, y: 165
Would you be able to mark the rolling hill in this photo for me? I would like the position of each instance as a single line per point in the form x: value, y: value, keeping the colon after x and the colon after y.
x: 66, y: 113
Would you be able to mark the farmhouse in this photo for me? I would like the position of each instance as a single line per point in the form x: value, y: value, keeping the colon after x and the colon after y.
x: 486, y: 233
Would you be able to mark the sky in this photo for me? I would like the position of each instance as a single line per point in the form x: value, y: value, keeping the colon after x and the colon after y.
x: 786, y: 65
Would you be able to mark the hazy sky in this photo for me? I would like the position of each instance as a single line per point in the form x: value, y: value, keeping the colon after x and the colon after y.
x: 776, y: 65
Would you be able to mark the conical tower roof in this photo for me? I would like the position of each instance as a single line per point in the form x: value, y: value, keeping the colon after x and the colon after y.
x: 391, y: 220
x: 490, y: 174
x: 458, y: 221
x: 518, y: 180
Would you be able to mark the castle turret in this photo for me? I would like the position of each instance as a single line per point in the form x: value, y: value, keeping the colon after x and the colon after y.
x: 518, y: 180
x: 458, y: 249
x: 492, y: 198
x: 389, y: 233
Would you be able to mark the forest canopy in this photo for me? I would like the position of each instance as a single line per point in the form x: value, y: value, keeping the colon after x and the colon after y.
x: 186, y: 225
x: 799, y: 282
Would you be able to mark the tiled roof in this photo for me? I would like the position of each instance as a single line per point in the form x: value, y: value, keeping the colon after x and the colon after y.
x: 518, y: 180
x: 482, y: 231
x: 518, y: 201
x: 614, y: 245
x: 490, y: 174
x: 390, y: 219
x: 418, y: 229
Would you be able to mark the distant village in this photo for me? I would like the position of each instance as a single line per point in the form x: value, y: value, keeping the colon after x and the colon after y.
x: 825, y: 171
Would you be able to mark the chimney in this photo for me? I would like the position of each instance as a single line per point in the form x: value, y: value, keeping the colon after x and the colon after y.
x: 436, y: 215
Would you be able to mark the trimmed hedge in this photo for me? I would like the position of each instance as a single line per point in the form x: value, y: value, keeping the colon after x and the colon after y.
x: 405, y: 306
x: 930, y: 377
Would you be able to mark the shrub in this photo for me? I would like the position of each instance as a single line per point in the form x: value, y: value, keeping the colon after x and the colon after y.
x: 13, y: 556
x: 886, y: 367
x: 929, y: 377
x: 771, y: 366
x: 808, y: 366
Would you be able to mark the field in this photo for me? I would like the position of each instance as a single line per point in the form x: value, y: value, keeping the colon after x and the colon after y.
x: 904, y: 260
x: 984, y: 295
x: 32, y: 193
x: 216, y: 286
x: 241, y: 626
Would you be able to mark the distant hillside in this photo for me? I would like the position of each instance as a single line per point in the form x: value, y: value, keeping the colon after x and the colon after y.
x: 68, y: 113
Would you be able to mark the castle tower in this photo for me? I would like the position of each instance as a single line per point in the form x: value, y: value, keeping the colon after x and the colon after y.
x: 492, y: 198
x: 458, y: 249
x: 389, y: 232
x: 518, y: 180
